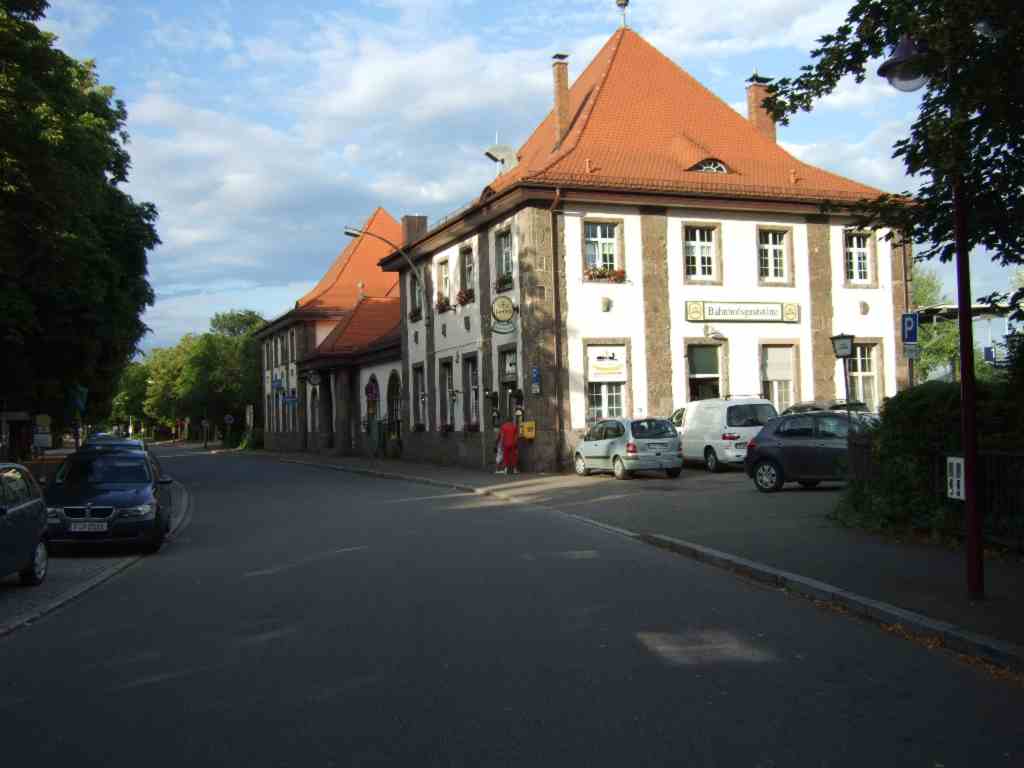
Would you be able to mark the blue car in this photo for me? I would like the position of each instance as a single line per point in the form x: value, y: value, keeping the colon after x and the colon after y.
x: 103, y: 495
x: 22, y: 526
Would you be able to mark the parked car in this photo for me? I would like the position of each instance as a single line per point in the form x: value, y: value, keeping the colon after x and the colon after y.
x: 23, y: 547
x: 716, y: 431
x: 109, y: 495
x: 807, y: 406
x: 623, y: 446
x: 805, y: 448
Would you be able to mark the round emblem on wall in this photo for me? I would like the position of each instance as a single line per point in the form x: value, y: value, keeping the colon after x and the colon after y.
x: 503, y: 310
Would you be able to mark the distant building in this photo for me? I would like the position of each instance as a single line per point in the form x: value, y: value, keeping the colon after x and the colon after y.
x: 645, y: 247
x: 335, y: 351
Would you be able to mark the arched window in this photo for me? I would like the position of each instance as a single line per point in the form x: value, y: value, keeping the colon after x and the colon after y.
x: 710, y: 165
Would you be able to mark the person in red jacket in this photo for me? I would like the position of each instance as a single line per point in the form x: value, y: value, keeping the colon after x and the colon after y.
x: 509, y: 437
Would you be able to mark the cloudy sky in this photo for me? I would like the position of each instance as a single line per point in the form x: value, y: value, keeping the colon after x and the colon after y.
x: 261, y: 128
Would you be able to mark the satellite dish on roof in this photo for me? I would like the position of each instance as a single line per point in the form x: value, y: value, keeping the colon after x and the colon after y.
x: 504, y: 154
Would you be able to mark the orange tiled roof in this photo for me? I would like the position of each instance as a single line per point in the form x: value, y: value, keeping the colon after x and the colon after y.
x: 373, y: 321
x: 338, y: 288
x: 639, y: 121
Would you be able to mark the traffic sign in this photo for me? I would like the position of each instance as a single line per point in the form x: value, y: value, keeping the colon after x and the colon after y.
x: 205, y: 423
x: 911, y: 351
x: 910, y: 324
x: 229, y: 419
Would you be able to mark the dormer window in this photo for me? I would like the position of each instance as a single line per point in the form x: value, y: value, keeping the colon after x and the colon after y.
x: 711, y: 165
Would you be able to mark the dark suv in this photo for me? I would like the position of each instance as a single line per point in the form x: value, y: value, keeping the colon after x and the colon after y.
x: 805, y: 448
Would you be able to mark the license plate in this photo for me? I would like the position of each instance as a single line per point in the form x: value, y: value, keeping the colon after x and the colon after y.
x: 89, y: 527
x: 655, y: 446
x: 740, y: 445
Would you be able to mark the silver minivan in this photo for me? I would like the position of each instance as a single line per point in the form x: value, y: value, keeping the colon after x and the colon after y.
x: 623, y: 446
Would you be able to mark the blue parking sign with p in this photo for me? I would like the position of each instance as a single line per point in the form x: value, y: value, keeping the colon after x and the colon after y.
x: 910, y: 325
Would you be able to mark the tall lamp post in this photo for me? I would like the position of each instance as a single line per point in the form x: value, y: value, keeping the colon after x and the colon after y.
x: 421, y: 284
x: 905, y: 72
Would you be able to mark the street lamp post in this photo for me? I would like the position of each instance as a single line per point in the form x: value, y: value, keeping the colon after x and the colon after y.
x: 904, y: 72
x: 421, y: 284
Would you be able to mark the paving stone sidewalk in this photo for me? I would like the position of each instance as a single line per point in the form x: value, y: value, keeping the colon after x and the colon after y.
x: 791, y: 531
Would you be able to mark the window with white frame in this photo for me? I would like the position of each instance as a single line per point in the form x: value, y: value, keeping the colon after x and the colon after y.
x: 777, y: 375
x: 471, y: 398
x: 444, y: 281
x: 415, y: 296
x: 771, y: 255
x: 699, y: 249
x: 447, y: 390
x: 863, y: 369
x: 468, y: 269
x: 600, y: 245
x: 604, y: 400
x: 702, y: 371
x: 418, y: 392
x: 503, y: 253
x: 858, y: 257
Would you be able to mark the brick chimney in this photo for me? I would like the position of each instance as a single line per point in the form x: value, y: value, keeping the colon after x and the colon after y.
x: 560, y: 72
x: 757, y: 114
x: 413, y: 228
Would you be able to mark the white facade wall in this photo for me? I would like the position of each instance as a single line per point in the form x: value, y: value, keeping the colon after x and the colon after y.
x: 452, y: 339
x: 585, y: 315
x: 512, y: 223
x: 382, y: 372
x: 739, y: 249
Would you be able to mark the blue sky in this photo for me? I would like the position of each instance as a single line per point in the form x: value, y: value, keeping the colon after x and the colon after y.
x: 261, y: 129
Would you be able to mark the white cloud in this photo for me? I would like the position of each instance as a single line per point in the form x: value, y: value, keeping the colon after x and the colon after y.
x: 75, y: 22
x: 849, y: 94
x: 177, y: 36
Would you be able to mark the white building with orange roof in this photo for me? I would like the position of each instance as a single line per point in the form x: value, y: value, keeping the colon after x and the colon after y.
x: 645, y: 247
x: 335, y: 351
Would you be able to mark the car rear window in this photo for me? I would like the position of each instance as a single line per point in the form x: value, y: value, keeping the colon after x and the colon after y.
x: 109, y: 468
x: 750, y: 415
x: 650, y: 428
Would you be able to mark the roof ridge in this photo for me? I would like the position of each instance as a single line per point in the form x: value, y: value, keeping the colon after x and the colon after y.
x: 588, y: 108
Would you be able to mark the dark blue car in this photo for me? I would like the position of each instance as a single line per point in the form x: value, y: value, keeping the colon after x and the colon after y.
x: 109, y: 495
x: 22, y: 526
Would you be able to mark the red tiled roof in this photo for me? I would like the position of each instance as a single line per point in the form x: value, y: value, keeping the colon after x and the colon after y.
x: 338, y: 288
x: 639, y: 121
x: 372, y: 322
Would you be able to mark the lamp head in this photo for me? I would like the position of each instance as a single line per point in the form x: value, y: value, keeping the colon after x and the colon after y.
x: 904, y: 69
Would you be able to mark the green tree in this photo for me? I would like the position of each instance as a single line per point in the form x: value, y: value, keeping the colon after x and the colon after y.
x: 73, y: 245
x: 237, y: 322
x: 129, y: 402
x: 968, y: 126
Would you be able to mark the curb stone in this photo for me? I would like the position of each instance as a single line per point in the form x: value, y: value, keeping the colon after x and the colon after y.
x: 953, y: 637
x: 77, y: 591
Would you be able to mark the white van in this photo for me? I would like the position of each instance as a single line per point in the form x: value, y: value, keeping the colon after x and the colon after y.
x: 716, y: 431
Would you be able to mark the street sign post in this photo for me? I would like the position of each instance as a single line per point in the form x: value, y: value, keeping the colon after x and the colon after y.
x: 912, y: 351
x: 910, y: 323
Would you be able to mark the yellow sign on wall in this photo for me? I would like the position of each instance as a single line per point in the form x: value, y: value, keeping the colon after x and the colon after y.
x: 528, y: 430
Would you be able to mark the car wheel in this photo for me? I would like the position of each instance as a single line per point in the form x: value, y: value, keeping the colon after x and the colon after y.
x: 35, y: 572
x: 580, y: 465
x: 711, y: 461
x: 673, y: 472
x: 767, y: 476
x: 809, y: 483
x: 621, y: 473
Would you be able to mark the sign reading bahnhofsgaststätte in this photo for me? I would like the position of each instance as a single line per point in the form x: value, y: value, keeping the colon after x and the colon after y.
x: 742, y: 312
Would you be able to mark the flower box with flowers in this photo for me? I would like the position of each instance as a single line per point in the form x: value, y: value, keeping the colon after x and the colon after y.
x: 443, y: 304
x: 465, y: 296
x: 604, y: 275
x: 503, y: 283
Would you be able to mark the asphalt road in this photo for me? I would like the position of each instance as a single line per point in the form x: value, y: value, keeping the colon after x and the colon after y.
x: 315, y: 618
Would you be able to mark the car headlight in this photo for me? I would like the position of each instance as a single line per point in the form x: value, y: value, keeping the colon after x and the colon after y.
x: 142, y: 511
x: 53, y: 514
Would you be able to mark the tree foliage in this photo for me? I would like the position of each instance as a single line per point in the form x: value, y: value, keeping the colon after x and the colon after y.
x: 204, y: 376
x: 73, y: 244
x: 968, y: 125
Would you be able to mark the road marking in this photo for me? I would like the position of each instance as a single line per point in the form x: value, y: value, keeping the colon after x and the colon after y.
x: 426, y: 498
x: 571, y: 554
x: 702, y: 647
x: 305, y: 561
x: 266, y: 637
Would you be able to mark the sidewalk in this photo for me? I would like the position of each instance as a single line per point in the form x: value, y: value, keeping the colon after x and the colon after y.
x: 783, y: 535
